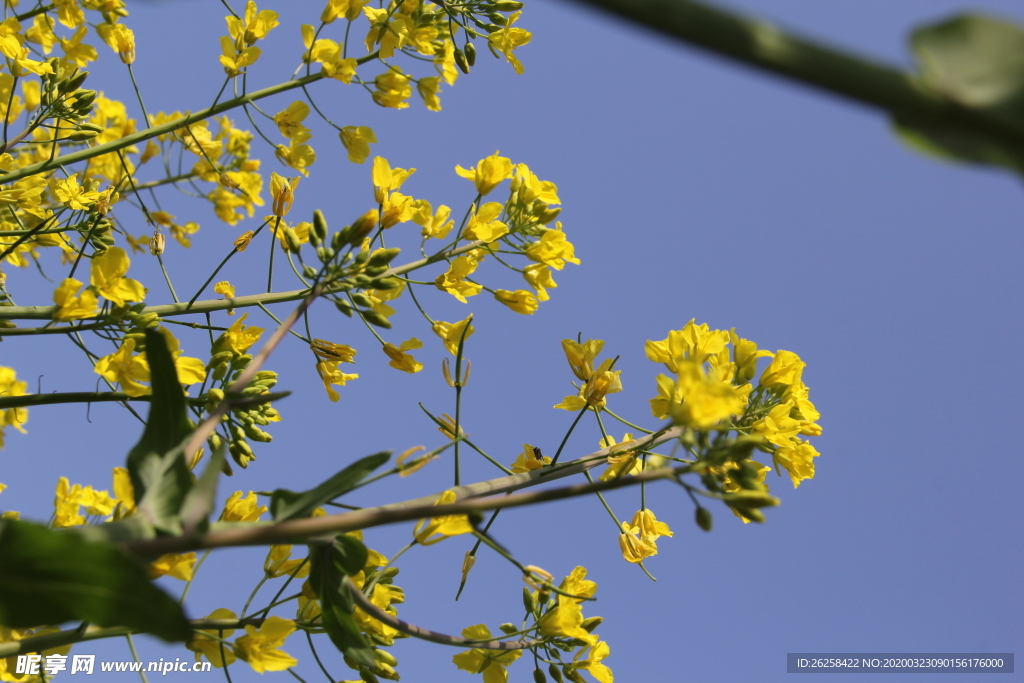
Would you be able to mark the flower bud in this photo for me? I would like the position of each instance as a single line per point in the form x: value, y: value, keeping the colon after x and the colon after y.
x: 375, y: 318
x: 508, y: 628
x: 508, y: 5
x: 319, y: 225
x: 470, y: 50
x: 383, y: 257
x: 539, y: 677
x: 461, y: 61
x: 157, y: 243
x: 591, y: 623
x: 704, y: 519
x: 556, y: 674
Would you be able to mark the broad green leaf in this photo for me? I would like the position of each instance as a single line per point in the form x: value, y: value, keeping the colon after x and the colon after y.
x: 159, y: 473
x: 977, y: 61
x: 285, y: 504
x: 201, y: 499
x: 51, y: 577
x: 349, y: 554
x: 327, y: 579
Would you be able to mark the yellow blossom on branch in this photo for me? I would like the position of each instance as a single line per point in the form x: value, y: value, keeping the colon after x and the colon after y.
x: 107, y: 275
x: 439, y: 528
x: 260, y: 646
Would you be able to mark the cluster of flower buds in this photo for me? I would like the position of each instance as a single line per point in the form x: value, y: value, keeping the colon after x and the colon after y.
x: 486, y: 16
x: 62, y: 92
x: 526, y: 210
x: 244, y: 422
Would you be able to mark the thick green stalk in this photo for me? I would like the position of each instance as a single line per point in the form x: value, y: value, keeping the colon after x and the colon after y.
x: 765, y: 46
x: 143, y: 135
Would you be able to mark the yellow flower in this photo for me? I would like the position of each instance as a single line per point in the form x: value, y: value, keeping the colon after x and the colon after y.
x: 73, y: 307
x: 203, y: 642
x: 592, y: 662
x: 507, y: 39
x: 125, y: 369
x: 483, y: 225
x: 519, y: 301
x: 242, y: 509
x: 440, y: 528
x: 283, y: 192
x: 333, y: 352
x: 256, y: 25
x: 529, y: 460
x: 538, y: 276
x: 448, y: 426
x: 107, y: 275
x: 602, y: 382
x: 387, y: 179
x: 581, y: 356
x: 15, y: 417
x: 392, y: 88
x: 552, y: 249
x: 178, y: 566
x: 429, y: 89
x: 452, y: 333
x: 121, y: 40
x: 297, y: 155
x: 237, y: 338
x: 124, y: 493
x: 649, y: 525
x: 259, y: 646
x: 798, y: 460
x: 493, y: 664
x: 329, y: 374
x: 454, y: 280
x: 225, y: 289
x: 289, y: 120
x: 435, y: 225
x: 635, y: 549
x: 625, y: 462
x: 785, y: 370
x: 401, y: 360
x: 357, y: 141
x: 488, y: 172
x: 778, y: 427
x: 698, y: 399
x: 566, y: 621
x: 277, y: 563
x: 75, y: 196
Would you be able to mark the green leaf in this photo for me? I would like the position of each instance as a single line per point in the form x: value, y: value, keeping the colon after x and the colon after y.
x: 159, y: 473
x: 977, y: 61
x: 285, y: 504
x: 200, y: 500
x: 327, y: 579
x: 349, y: 554
x: 50, y: 577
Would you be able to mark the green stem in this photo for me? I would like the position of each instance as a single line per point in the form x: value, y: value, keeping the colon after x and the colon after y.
x: 208, y: 306
x: 765, y: 46
x: 565, y: 439
x: 154, y: 131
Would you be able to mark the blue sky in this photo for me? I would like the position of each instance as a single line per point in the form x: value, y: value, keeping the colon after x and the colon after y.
x: 692, y: 188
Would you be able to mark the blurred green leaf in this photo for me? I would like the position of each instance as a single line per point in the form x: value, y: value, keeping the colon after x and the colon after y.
x: 159, y: 473
x: 978, y: 62
x: 285, y: 504
x: 329, y: 565
x: 51, y: 577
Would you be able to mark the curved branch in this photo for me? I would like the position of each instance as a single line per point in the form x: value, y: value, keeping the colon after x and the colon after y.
x: 467, y: 501
x: 154, y: 131
x: 166, y: 310
x: 765, y: 46
x: 433, y: 636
